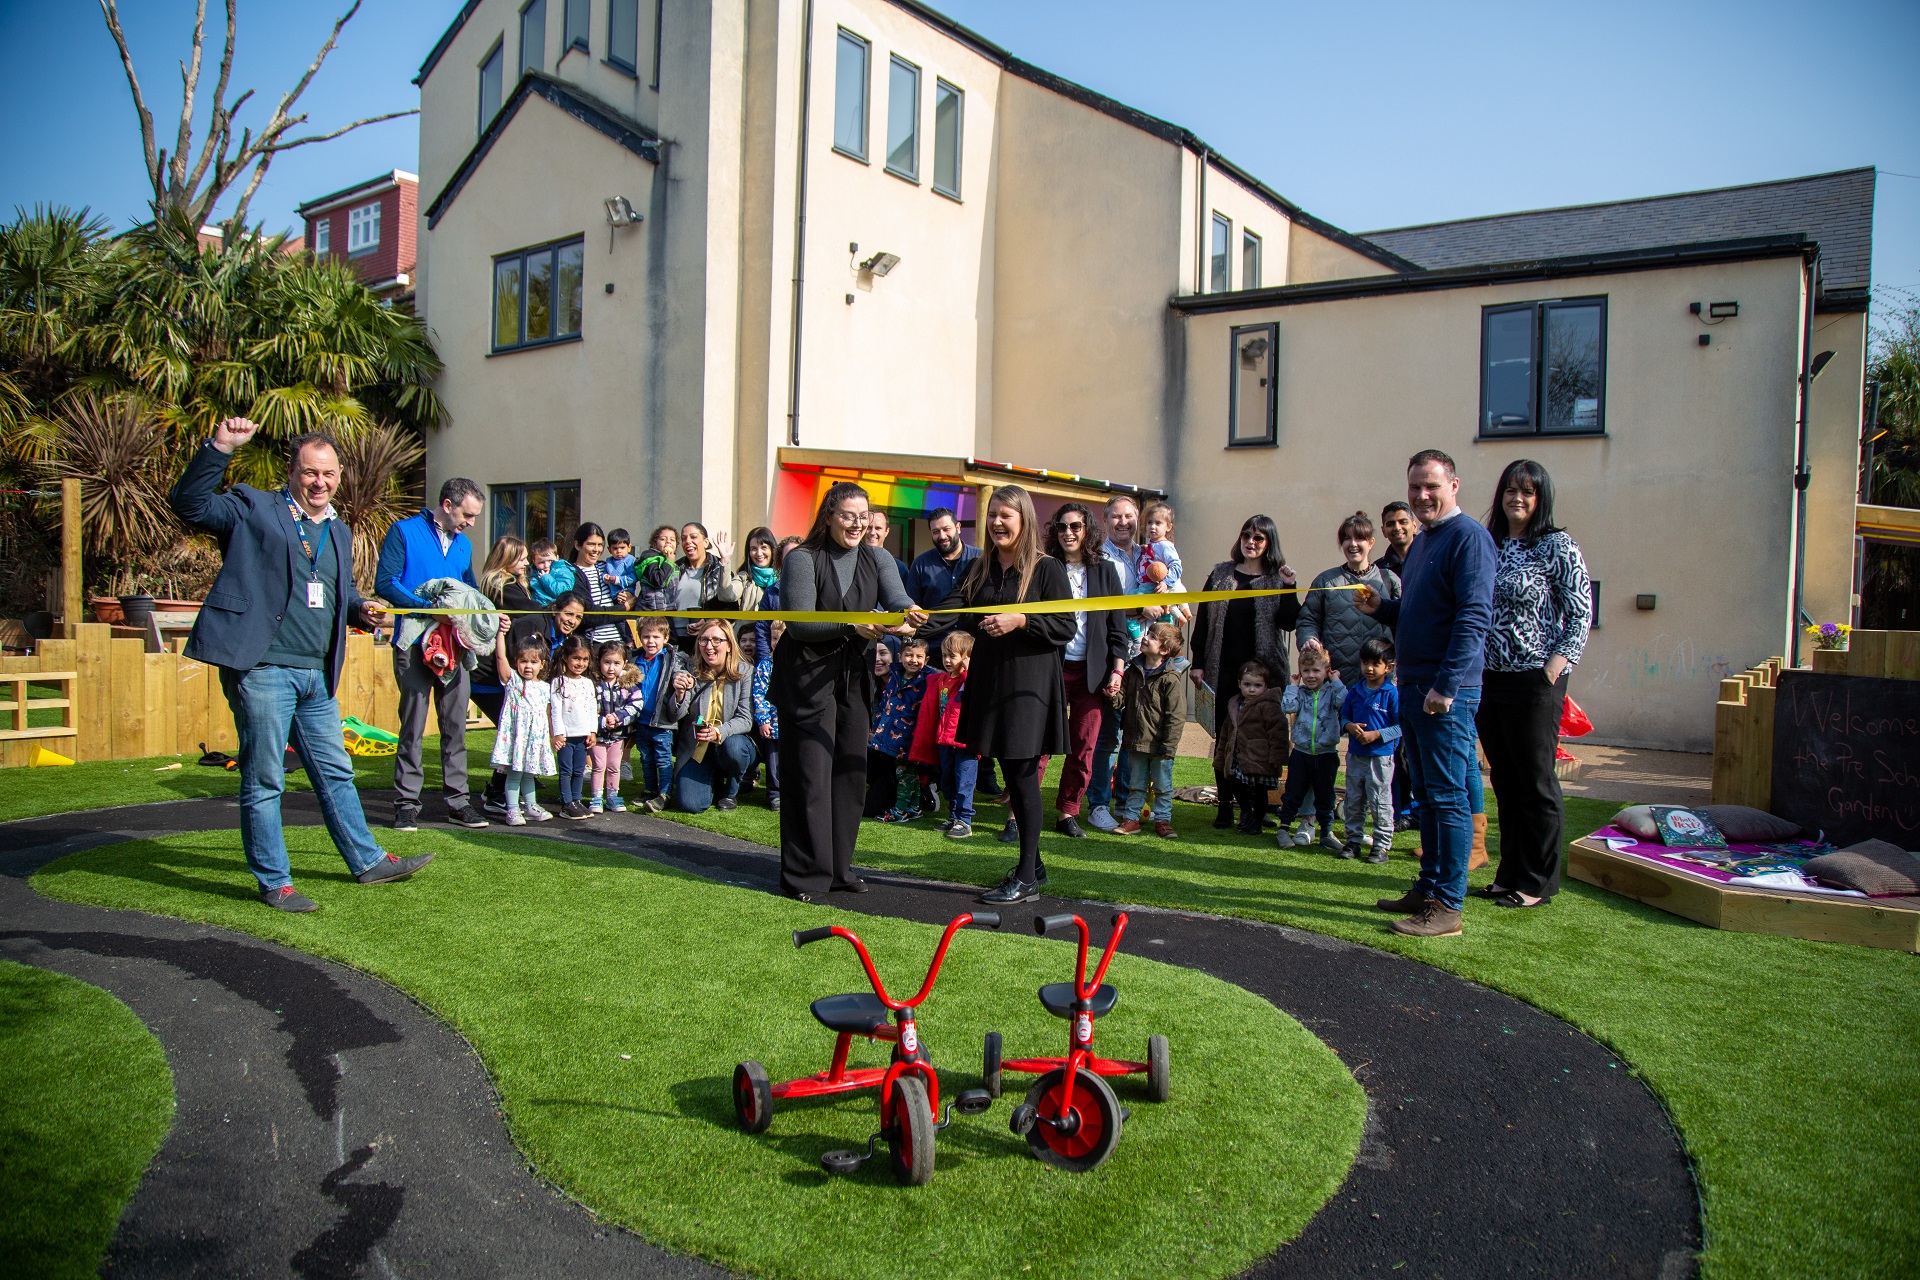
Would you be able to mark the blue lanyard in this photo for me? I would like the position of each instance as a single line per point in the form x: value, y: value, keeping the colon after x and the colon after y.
x: 300, y: 528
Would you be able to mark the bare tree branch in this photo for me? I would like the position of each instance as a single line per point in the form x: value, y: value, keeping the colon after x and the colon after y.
x: 108, y: 8
x: 189, y: 83
x: 327, y: 137
x: 220, y: 125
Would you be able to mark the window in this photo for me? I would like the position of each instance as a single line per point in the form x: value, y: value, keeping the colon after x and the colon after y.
x: 1595, y: 584
x: 1249, y: 261
x: 537, y: 295
x: 659, y: 29
x: 1219, y: 264
x: 850, y: 96
x: 623, y: 35
x: 363, y: 227
x: 1564, y: 340
x: 1251, y: 402
x: 903, y: 119
x: 947, y: 102
x: 530, y: 512
x: 489, y: 88
x: 579, y: 18
x: 533, y: 36
x: 323, y: 236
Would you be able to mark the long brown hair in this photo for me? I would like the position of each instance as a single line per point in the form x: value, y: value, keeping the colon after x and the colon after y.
x: 1026, y: 555
x: 817, y: 536
x: 506, y: 553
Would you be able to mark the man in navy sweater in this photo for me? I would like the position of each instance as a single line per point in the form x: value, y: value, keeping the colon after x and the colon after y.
x: 275, y: 625
x: 417, y: 550
x: 1440, y: 627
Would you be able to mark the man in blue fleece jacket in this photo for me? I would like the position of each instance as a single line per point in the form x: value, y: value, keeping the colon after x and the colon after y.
x: 417, y: 550
x: 1440, y: 627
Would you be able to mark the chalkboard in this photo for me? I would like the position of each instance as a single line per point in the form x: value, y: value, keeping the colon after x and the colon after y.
x: 1846, y: 756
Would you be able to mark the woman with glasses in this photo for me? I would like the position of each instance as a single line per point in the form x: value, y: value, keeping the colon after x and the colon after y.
x: 713, y: 742
x: 1229, y: 635
x: 822, y: 691
x: 1093, y: 659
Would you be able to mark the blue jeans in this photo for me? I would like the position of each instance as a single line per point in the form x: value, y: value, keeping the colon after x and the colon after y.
x: 654, y: 745
x: 1106, y: 755
x: 571, y: 759
x: 959, y: 772
x: 700, y: 782
x: 274, y: 707
x: 1143, y: 771
x: 1440, y: 755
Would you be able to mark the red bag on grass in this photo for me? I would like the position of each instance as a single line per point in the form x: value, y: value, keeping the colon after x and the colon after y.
x: 1573, y: 721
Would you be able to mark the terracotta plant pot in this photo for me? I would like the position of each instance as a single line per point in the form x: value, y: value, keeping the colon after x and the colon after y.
x: 106, y: 609
x: 178, y: 606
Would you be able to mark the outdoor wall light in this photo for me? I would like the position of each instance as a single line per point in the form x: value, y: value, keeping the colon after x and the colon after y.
x: 620, y: 213
x: 881, y: 263
x: 1722, y: 310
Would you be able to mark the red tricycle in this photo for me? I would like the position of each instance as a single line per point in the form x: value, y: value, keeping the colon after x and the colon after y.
x: 909, y: 1087
x: 1071, y: 1118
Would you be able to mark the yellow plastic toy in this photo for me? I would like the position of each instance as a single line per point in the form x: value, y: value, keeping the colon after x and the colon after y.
x: 45, y: 759
x: 363, y: 739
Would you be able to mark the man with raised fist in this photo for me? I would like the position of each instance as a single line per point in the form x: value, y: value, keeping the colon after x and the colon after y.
x: 275, y: 624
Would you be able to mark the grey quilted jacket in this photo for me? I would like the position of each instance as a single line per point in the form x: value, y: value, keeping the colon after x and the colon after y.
x: 1331, y: 618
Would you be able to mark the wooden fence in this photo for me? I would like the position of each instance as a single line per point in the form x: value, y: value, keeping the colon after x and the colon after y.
x: 127, y: 703
x: 1743, y: 718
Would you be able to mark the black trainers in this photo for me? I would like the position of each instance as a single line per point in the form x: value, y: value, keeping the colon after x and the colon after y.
x: 287, y: 898
x: 726, y: 803
x: 464, y: 816
x: 390, y: 868
x: 406, y: 817
x: 575, y: 810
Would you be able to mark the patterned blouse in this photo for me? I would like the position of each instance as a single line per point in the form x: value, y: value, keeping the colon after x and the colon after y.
x: 1542, y: 604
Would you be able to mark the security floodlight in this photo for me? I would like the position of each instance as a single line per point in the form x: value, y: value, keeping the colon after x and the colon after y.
x: 881, y: 263
x: 620, y: 212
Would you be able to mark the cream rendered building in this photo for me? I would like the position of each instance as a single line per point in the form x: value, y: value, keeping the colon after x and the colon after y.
x: 687, y: 260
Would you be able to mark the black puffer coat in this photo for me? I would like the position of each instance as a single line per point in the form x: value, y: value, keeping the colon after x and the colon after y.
x: 1331, y: 618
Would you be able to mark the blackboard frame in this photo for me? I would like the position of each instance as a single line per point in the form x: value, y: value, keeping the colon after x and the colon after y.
x: 1846, y: 756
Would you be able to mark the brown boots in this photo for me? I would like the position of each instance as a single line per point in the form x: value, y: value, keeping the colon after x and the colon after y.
x: 1477, y: 858
x: 1431, y: 921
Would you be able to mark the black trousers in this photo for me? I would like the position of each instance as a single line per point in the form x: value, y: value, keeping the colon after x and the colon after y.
x: 880, y: 783
x: 823, y: 780
x: 1519, y: 723
x: 1023, y: 798
x: 1315, y: 772
x: 1252, y: 799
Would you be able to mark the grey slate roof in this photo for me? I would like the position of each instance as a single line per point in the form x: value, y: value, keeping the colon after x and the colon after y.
x: 1835, y: 209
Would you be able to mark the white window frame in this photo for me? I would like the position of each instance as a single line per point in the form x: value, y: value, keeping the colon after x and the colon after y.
x: 323, y: 235
x: 959, y: 95
x: 363, y: 227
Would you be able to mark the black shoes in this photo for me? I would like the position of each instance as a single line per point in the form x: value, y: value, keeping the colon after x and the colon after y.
x: 1011, y: 890
x: 855, y: 885
x: 464, y: 816
x: 1069, y: 826
x: 575, y: 810
x: 1009, y: 834
x: 406, y: 817
x: 1223, y: 819
x: 726, y: 804
x: 390, y: 868
x: 287, y: 898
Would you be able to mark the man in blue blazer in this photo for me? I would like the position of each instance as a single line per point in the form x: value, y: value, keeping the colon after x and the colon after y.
x: 275, y: 624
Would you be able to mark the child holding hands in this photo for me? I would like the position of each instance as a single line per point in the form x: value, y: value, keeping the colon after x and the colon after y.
x: 571, y: 717
x: 1372, y: 715
x: 521, y: 742
x: 1154, y: 711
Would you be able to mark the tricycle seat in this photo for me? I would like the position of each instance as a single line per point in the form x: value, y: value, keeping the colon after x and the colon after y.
x: 1058, y: 998
x: 857, y: 1013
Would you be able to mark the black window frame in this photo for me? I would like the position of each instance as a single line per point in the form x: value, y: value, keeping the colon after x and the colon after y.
x: 625, y: 66
x: 576, y: 34
x: 913, y: 68
x: 1538, y: 310
x: 541, y: 27
x: 499, y: 503
x: 941, y: 85
x: 497, y: 54
x: 1251, y: 240
x: 866, y: 94
x: 1221, y: 281
x: 659, y: 32
x: 1271, y: 437
x: 550, y: 249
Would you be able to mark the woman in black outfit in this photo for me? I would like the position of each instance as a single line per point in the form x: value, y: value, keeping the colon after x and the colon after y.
x: 1015, y: 707
x: 1228, y: 636
x: 822, y: 688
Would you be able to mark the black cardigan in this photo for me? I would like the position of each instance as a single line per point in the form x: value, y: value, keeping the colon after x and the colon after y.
x: 1016, y: 699
x: 1107, y: 637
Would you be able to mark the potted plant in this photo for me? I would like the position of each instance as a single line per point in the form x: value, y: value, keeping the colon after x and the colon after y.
x: 1830, y: 635
x: 135, y: 587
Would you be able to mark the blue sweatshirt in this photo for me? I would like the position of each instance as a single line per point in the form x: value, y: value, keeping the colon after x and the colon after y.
x: 411, y: 556
x: 1377, y: 709
x: 1440, y: 620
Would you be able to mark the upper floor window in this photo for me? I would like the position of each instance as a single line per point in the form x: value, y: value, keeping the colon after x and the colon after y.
x: 363, y: 227
x: 903, y: 119
x: 1219, y: 263
x: 947, y: 104
x: 1252, y: 405
x: 490, y: 87
x: 1249, y: 260
x: 533, y: 36
x: 323, y: 236
x: 537, y: 294
x: 850, y: 95
x: 623, y: 35
x: 1543, y: 368
x: 578, y: 18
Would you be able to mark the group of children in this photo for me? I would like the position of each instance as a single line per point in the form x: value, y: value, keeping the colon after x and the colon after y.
x: 917, y: 723
x: 647, y: 579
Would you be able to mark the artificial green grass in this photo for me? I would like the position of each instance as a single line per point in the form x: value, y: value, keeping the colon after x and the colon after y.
x: 70, y: 1157
x: 1788, y: 1066
x: 558, y: 961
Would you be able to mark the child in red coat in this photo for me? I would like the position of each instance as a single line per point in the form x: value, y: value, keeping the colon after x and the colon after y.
x: 936, y: 738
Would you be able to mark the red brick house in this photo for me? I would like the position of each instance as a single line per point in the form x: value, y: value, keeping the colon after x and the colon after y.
x: 371, y: 224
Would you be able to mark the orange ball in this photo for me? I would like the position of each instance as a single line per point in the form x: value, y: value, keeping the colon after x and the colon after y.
x: 1155, y: 573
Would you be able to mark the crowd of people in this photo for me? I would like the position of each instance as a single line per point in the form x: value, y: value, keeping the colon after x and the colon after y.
x: 1455, y: 632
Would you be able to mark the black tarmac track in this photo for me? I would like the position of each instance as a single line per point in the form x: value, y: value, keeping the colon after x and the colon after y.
x: 329, y: 1126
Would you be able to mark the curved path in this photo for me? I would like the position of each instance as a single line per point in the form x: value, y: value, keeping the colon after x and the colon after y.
x: 328, y: 1126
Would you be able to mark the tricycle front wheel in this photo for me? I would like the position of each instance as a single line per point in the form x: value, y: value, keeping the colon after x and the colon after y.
x: 1079, y: 1138
x: 752, y: 1097
x: 910, y: 1132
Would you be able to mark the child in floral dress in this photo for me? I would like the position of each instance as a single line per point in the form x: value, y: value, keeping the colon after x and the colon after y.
x: 522, y: 744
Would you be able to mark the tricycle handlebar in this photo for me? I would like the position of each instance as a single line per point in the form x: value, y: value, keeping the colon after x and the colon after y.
x: 801, y: 937
x: 1043, y: 925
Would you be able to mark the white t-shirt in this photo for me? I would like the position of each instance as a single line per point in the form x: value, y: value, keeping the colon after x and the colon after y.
x: 1077, y: 647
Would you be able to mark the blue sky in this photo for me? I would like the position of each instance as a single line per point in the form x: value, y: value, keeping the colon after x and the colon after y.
x: 1369, y: 117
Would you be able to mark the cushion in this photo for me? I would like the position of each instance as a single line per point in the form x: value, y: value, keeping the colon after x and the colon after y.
x: 1749, y: 826
x: 1638, y: 822
x: 1874, y: 867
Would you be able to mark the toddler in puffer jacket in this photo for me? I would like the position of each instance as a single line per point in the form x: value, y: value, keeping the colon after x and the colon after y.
x: 1314, y: 701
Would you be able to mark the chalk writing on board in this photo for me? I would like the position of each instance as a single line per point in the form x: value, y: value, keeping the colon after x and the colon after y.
x: 1846, y: 756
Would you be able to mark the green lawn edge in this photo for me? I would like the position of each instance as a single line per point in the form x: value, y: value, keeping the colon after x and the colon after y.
x: 610, y: 1022
x: 86, y: 1098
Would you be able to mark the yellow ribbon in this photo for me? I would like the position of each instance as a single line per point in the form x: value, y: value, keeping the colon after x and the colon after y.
x: 1094, y: 604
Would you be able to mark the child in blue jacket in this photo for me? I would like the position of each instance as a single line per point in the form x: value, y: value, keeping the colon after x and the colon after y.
x: 1314, y: 702
x: 1372, y: 715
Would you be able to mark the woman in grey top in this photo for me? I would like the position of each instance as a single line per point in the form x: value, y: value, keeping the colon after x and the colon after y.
x: 1542, y: 609
x: 822, y: 688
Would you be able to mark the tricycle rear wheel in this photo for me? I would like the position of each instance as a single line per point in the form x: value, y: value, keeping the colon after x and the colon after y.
x: 752, y: 1097
x: 1159, y: 1069
x: 910, y: 1132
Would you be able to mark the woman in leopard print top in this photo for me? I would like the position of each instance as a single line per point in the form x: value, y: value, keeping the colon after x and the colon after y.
x: 1542, y: 609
